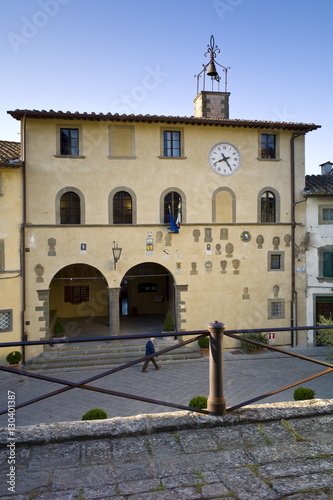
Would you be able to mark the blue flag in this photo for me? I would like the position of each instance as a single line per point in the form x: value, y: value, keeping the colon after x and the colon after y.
x: 173, y: 226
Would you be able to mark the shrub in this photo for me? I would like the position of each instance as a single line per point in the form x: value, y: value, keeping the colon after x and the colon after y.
x: 325, y: 336
x: 14, y: 357
x: 168, y: 325
x: 303, y: 393
x: 58, y: 329
x: 198, y: 402
x: 95, y: 414
x: 204, y: 343
x: 257, y: 337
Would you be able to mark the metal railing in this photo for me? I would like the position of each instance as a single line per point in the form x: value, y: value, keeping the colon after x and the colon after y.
x: 216, y: 403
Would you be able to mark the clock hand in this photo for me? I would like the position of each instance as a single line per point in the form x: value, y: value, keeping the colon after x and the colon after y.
x: 218, y: 161
x: 226, y: 158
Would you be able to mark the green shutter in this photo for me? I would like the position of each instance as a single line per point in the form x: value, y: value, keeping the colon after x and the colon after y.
x: 328, y: 264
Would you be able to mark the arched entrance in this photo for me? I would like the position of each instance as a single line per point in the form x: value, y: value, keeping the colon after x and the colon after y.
x: 147, y: 293
x: 79, y: 296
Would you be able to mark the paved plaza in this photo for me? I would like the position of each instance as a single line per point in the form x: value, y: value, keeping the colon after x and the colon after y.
x: 274, y: 451
x: 245, y: 377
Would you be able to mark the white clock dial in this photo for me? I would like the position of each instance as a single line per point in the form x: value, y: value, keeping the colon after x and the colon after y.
x: 224, y: 158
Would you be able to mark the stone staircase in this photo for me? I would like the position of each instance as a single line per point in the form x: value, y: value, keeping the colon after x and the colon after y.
x: 93, y: 355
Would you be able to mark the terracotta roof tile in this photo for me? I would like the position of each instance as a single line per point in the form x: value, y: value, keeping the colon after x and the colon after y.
x: 20, y: 113
x: 318, y: 185
x: 10, y: 153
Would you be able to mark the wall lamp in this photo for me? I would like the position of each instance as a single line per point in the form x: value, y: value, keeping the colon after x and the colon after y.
x: 116, y: 253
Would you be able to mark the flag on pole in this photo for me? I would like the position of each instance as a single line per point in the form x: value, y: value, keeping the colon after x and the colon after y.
x: 173, y: 226
x: 179, y: 215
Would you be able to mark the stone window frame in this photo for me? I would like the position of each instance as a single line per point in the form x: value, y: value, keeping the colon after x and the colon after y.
x: 117, y: 127
x: 2, y: 256
x: 58, y: 199
x: 321, y: 278
x: 273, y: 301
x: 233, y: 203
x: 321, y: 209
x: 10, y: 315
x: 182, y: 142
x: 134, y: 203
x: 272, y: 253
x: 58, y: 141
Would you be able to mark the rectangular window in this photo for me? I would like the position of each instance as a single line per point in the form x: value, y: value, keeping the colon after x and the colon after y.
x: 69, y: 141
x: 76, y: 294
x: 276, y: 308
x: 171, y: 143
x: 268, y: 146
x: 6, y: 320
x: 275, y: 261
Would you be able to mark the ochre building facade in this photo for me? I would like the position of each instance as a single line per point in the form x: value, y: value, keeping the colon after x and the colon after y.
x: 204, y: 209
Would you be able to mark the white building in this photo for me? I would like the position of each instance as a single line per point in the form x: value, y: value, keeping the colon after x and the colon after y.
x: 319, y: 210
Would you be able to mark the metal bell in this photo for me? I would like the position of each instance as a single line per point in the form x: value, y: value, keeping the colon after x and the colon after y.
x: 212, y: 69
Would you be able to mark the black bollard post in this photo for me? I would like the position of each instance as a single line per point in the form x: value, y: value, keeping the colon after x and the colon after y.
x: 216, y: 402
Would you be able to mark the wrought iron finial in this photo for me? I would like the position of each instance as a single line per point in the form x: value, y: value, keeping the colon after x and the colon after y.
x: 212, y: 48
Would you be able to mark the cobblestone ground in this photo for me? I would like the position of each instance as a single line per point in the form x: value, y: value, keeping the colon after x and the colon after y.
x: 286, y: 458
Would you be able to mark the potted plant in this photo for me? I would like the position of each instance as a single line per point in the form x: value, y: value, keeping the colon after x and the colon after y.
x: 204, y: 346
x: 198, y: 402
x: 253, y: 348
x: 58, y: 330
x: 95, y: 414
x: 14, y: 358
x: 168, y: 325
x: 303, y: 393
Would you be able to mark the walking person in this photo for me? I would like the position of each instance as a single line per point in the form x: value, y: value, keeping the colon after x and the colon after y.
x: 150, y: 349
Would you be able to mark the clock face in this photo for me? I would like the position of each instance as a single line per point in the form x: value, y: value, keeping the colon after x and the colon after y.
x: 224, y: 158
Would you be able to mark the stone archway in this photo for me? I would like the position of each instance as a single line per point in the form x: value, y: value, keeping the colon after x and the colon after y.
x: 147, y: 293
x: 79, y: 295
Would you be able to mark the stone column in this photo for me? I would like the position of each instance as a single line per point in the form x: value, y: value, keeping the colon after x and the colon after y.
x: 114, y: 327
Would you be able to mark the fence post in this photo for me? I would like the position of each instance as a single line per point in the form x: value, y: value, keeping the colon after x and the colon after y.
x: 216, y: 402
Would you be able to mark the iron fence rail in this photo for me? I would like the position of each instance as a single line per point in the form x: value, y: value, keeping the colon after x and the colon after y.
x: 198, y: 334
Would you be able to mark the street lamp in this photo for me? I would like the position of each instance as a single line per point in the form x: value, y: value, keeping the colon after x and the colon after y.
x: 116, y: 253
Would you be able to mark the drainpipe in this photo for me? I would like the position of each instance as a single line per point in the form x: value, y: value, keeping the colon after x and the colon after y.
x: 293, y: 303
x: 23, y: 226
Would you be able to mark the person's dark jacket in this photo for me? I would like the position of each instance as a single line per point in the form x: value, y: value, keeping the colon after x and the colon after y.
x: 150, y: 348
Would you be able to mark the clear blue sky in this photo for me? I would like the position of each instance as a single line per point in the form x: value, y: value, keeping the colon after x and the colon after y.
x: 140, y: 56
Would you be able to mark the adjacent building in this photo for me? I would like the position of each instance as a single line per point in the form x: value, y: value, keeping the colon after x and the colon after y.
x: 318, y: 193
x: 11, y: 232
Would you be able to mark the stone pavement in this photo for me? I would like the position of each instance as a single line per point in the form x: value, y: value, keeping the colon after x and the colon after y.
x: 246, y: 376
x: 273, y: 451
x: 277, y: 451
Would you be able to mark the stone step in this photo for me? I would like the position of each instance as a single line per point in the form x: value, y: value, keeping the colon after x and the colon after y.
x: 72, y: 356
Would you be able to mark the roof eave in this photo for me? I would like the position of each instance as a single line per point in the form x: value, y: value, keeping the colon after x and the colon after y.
x: 304, y: 127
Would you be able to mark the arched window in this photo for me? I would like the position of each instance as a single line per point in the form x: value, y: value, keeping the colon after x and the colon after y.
x: 122, y: 208
x: 70, y: 209
x: 172, y: 201
x: 267, y: 207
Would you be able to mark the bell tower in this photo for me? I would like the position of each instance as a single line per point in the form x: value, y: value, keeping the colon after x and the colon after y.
x: 212, y: 103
